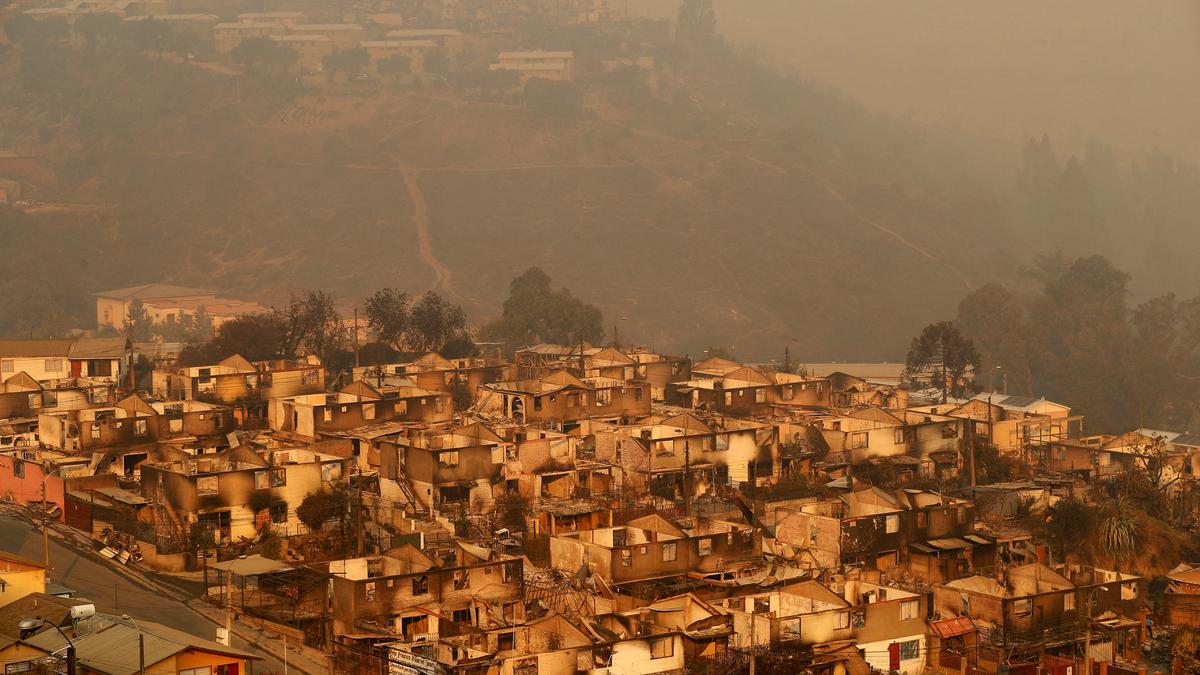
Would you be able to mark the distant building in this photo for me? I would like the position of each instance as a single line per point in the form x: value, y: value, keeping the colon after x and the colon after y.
x: 163, y: 301
x: 557, y: 66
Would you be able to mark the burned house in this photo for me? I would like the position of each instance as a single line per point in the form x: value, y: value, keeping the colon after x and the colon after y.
x: 563, y: 399
x: 402, y: 595
x: 747, y: 392
x: 436, y: 373
x: 665, y: 455
x: 652, y: 547
x: 445, y: 471
x: 238, y: 493
x: 885, y: 624
x: 244, y: 386
x: 359, y: 404
x: 1028, y: 615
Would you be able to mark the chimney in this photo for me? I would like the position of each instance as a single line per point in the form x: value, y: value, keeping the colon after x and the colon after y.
x: 1041, y: 553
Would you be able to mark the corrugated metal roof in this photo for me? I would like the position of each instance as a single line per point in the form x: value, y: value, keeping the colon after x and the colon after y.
x: 98, y: 348
x: 151, y: 291
x: 17, y: 349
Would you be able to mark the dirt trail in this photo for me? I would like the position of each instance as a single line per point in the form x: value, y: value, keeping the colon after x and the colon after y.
x: 424, y: 241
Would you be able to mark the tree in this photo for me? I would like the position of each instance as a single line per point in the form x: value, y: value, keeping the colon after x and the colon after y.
x: 433, y: 322
x: 310, y: 322
x: 535, y: 312
x: 256, y: 337
x: 942, y: 358
x: 262, y: 55
x: 697, y: 20
x: 139, y: 327
x: 396, y: 66
x: 1069, y: 523
x: 1119, y: 532
x: 387, y: 315
x: 319, y: 508
x: 349, y: 61
x: 995, y: 321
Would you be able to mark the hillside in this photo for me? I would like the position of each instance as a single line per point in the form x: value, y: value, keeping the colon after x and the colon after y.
x: 728, y: 206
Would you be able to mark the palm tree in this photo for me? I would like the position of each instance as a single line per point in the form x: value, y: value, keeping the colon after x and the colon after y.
x: 1119, y: 532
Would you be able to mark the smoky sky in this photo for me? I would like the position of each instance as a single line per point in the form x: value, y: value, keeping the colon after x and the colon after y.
x: 1120, y: 71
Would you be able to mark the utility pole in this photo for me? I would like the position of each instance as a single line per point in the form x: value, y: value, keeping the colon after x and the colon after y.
x: 285, y: 648
x: 142, y: 652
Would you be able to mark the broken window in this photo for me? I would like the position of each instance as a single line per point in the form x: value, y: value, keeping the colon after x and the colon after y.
x: 760, y: 395
x: 279, y: 512
x: 1023, y: 607
x: 327, y: 414
x: 420, y: 584
x: 669, y: 552
x: 910, y: 650
x: 206, y: 485
x: 909, y: 609
x: 572, y: 400
x: 505, y: 572
x: 331, y: 471
x: 175, y: 425
x: 440, y: 404
x: 537, y: 402
x: 462, y: 580
x: 704, y: 547
x: 842, y: 620
x: 1069, y: 602
x: 626, y: 558
x: 461, y: 615
x: 401, y: 408
x: 859, y: 440
x: 728, y: 398
x: 278, y: 477
x: 892, y: 524
x: 261, y: 480
x: 789, y: 392
x: 603, y: 397
x: 369, y: 591
x: 368, y: 411
x: 448, y: 458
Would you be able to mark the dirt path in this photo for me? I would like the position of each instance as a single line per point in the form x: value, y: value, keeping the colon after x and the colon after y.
x: 424, y: 240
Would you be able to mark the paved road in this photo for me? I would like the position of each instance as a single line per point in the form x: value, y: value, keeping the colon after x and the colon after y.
x: 95, y: 580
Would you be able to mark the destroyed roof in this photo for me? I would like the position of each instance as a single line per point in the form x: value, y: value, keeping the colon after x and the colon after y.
x: 239, y: 362
x: 610, y: 356
x: 151, y: 292
x: 251, y: 566
x: 433, y: 361
x: 745, y: 374
x: 716, y: 366
x: 688, y: 422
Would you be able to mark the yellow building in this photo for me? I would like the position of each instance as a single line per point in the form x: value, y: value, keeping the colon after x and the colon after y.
x: 19, y: 577
x: 558, y: 66
x: 311, y: 50
x: 413, y: 50
x: 227, y: 36
x: 344, y: 35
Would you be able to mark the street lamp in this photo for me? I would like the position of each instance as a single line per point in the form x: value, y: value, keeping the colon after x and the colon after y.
x: 34, y: 623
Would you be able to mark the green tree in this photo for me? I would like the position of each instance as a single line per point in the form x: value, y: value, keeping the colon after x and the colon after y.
x: 262, y: 55
x: 941, y: 358
x: 139, y: 327
x: 312, y: 324
x: 350, y: 62
x: 697, y: 20
x: 396, y: 66
x: 388, y: 316
x: 257, y: 337
x: 433, y: 322
x: 535, y: 312
x: 996, y: 322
